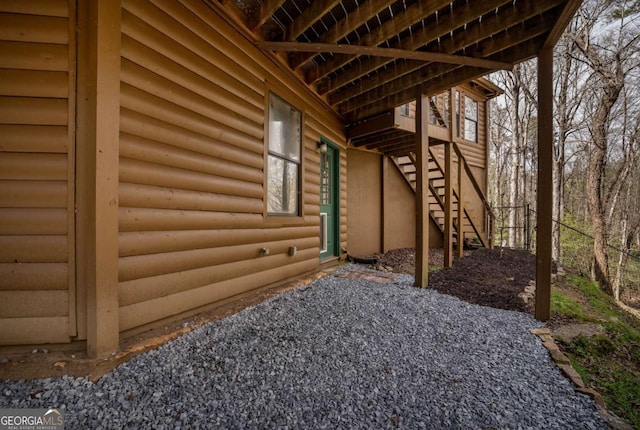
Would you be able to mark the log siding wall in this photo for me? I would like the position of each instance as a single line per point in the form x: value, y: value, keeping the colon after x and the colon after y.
x: 192, y: 215
x: 37, y: 92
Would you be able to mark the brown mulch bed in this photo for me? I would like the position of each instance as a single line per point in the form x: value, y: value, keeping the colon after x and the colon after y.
x: 488, y: 277
x: 403, y: 260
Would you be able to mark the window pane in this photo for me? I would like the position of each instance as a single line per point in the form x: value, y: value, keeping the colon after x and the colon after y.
x: 470, y: 108
x: 470, y: 130
x: 456, y: 108
x: 445, y: 103
x: 282, y: 186
x: 323, y: 233
x: 470, y: 119
x: 284, y: 128
x: 325, y: 179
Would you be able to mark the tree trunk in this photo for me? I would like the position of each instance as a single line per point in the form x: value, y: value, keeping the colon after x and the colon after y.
x: 595, y: 185
x: 630, y: 224
x: 622, y: 261
x: 513, y: 155
x: 563, y: 115
x: 557, y: 212
x: 610, y: 81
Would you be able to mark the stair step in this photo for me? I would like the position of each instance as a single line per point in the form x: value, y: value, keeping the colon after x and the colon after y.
x: 436, y: 179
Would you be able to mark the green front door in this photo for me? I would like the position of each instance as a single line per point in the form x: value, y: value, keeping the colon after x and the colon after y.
x: 329, y: 202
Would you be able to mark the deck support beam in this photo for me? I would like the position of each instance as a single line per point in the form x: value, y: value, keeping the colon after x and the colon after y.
x: 422, y: 191
x: 545, y: 184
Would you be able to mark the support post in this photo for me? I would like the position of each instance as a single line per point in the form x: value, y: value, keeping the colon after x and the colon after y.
x: 98, y: 123
x: 460, y: 247
x: 528, y: 227
x: 545, y: 184
x: 384, y: 171
x: 448, y: 189
x: 422, y: 191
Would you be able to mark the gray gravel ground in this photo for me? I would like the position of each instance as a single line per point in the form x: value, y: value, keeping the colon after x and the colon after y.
x: 339, y: 353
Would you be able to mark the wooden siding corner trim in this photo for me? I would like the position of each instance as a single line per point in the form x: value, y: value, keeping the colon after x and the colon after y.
x: 97, y: 171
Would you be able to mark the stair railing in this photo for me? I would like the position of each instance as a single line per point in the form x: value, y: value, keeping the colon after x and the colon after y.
x: 413, y: 187
x: 488, y: 215
x: 484, y: 228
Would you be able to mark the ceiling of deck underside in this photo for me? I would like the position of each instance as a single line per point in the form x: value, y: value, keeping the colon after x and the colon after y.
x: 358, y: 85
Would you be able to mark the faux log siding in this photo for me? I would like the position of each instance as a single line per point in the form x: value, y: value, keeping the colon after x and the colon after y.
x: 192, y: 165
x: 36, y: 159
x: 155, y: 242
x: 475, y: 152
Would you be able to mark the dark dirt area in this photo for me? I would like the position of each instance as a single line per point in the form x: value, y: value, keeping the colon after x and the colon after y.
x: 488, y: 277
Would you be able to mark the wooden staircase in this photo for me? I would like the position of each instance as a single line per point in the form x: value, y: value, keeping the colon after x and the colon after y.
x: 477, y: 217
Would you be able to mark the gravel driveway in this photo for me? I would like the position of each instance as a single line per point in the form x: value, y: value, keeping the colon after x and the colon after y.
x: 340, y: 353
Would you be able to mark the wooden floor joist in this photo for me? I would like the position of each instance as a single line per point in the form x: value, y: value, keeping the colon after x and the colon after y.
x: 385, y: 52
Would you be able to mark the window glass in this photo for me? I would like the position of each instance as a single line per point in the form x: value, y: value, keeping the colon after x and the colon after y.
x: 283, y: 171
x: 325, y: 179
x: 470, y: 119
x: 456, y: 108
x: 284, y: 129
x: 445, y: 105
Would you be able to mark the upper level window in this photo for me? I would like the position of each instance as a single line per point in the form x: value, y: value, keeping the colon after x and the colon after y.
x: 405, y: 110
x: 283, y: 170
x: 445, y: 107
x: 470, y: 119
x: 456, y: 108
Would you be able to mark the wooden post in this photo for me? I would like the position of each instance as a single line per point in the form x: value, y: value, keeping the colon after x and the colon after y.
x: 545, y: 184
x: 422, y: 191
x: 488, y: 220
x: 460, y: 247
x: 97, y: 172
x: 448, y: 190
x: 384, y: 161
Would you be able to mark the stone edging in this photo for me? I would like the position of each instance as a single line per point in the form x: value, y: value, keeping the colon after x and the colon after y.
x: 563, y: 363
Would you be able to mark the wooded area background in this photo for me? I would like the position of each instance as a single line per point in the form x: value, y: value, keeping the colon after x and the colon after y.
x: 596, y: 201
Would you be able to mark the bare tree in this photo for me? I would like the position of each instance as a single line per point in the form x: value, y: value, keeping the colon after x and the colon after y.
x: 516, y: 145
x: 499, y: 147
x: 569, y: 91
x: 514, y: 88
x: 625, y: 187
x: 609, y: 52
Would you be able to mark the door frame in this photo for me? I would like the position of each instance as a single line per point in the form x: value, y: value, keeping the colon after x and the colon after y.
x: 335, y: 189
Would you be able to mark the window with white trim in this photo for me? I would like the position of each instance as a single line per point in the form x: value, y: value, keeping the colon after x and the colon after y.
x: 284, y: 159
